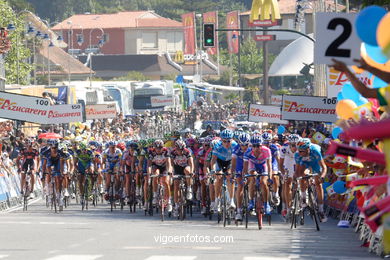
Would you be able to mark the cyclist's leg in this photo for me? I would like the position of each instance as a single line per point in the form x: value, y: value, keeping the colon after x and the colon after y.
x: 32, y: 170
x: 275, y: 185
x: 187, y: 172
x: 128, y: 175
x: 320, y: 193
x: 22, y: 180
x: 240, y: 190
x: 264, y: 187
x: 167, y: 185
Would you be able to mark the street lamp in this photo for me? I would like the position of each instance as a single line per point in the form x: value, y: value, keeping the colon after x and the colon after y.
x: 70, y: 44
x: 200, y: 49
x: 101, y: 42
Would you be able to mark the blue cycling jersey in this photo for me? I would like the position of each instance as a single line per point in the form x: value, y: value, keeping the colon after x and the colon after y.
x: 238, y: 153
x: 222, y: 153
x: 312, y: 160
x: 275, y: 152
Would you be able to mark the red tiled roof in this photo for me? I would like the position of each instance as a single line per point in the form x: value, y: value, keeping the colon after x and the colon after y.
x: 132, y: 19
x: 289, y: 7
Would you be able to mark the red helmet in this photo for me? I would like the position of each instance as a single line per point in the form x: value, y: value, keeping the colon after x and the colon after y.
x: 121, y: 146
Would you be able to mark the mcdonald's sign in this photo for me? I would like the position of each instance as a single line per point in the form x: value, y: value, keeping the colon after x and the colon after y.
x: 264, y: 10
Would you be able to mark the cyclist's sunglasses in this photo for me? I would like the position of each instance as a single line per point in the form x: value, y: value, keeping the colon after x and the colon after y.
x: 302, y: 151
x: 255, y: 145
x: 226, y: 140
x: 206, y: 145
x: 293, y: 145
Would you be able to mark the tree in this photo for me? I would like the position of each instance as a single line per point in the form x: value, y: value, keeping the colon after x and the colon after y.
x: 18, y: 54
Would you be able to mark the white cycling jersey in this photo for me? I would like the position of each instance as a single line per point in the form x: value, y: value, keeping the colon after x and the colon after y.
x: 289, y: 160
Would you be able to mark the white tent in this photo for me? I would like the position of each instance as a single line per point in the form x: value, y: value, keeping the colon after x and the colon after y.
x: 293, y: 58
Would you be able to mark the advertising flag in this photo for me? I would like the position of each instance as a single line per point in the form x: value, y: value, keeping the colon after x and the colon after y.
x: 189, y: 33
x: 232, y: 22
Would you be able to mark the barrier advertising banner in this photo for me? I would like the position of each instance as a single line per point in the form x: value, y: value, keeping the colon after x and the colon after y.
x: 161, y: 101
x: 100, y: 111
x: 276, y: 100
x: 269, y: 114
x: 308, y: 108
x: 37, y: 110
x: 336, y: 80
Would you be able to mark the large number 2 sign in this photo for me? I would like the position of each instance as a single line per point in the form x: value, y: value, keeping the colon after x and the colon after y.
x: 336, y: 38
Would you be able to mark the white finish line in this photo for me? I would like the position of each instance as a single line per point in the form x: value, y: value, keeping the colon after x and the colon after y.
x: 75, y: 257
x: 168, y: 257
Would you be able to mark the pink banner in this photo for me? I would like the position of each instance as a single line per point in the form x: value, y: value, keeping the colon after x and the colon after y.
x: 212, y: 17
x: 232, y: 22
x: 189, y: 32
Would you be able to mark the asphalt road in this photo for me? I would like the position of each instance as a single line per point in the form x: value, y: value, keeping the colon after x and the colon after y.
x: 100, y: 234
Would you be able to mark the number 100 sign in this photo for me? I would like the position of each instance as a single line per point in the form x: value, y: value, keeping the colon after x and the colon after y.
x: 336, y: 38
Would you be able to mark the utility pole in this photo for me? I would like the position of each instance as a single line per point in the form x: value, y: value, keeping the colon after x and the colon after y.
x: 265, y: 71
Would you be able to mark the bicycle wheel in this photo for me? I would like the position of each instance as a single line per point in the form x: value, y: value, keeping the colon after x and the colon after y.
x: 245, y: 206
x: 259, y: 209
x: 224, y: 206
x: 162, y: 203
x: 313, y: 209
x: 54, y: 199
x: 294, y: 211
x: 112, y: 201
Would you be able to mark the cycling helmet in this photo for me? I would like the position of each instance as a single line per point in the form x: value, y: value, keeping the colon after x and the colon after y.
x: 93, y: 143
x: 29, y: 142
x: 134, y: 145
x: 128, y: 144
x: 52, y: 142
x: 236, y: 134
x: 266, y: 137
x: 208, y: 139
x: 256, y: 139
x: 143, y: 143
x: 167, y: 136
x: 226, y: 134
x: 293, y: 139
x: 201, y: 140
x: 243, y: 138
x: 83, y: 145
x: 180, y: 144
x: 121, y: 146
x: 304, y: 143
x: 158, y: 143
x: 112, y: 143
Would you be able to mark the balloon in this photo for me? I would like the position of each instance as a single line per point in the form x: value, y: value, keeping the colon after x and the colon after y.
x: 344, y: 108
x: 375, y: 53
x: 281, y: 129
x: 362, y: 100
x: 382, y: 34
x: 336, y: 132
x: 340, y: 96
x: 339, y: 187
x: 349, y: 92
x: 367, y: 21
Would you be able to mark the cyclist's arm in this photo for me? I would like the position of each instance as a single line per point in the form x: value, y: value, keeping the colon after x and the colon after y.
x: 245, y: 169
x: 269, y: 167
x: 281, y: 166
x: 234, y: 163
x: 62, y: 163
x: 212, y: 163
x: 299, y: 169
x: 149, y: 167
x: 323, y: 168
x: 191, y: 164
x: 169, y: 165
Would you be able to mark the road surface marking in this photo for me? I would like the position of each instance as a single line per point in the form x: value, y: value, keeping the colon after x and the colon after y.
x: 264, y: 258
x: 75, y: 257
x: 3, y: 256
x: 168, y: 257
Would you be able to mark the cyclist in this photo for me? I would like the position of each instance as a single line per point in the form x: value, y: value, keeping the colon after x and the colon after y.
x: 309, y: 157
x: 97, y: 162
x: 68, y: 165
x: 27, y: 161
x: 159, y: 163
x: 83, y: 162
x: 128, y: 165
x: 111, y: 162
x: 54, y: 161
x: 258, y: 160
x: 221, y: 162
x: 207, y: 170
x: 143, y: 167
x: 183, y: 164
x: 238, y: 165
x: 275, y: 152
x: 201, y: 171
x: 287, y: 167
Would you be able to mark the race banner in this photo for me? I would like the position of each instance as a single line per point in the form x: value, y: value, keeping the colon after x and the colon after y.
x: 62, y: 114
x: 37, y: 110
x: 212, y: 17
x: 188, y: 21
x: 100, y: 111
x: 336, y: 80
x: 276, y: 100
x: 308, y: 108
x: 232, y: 22
x: 262, y: 113
x: 160, y: 101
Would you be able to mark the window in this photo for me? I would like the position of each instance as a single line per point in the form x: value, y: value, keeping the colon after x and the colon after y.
x: 80, y: 38
x: 105, y: 38
x: 149, y: 40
